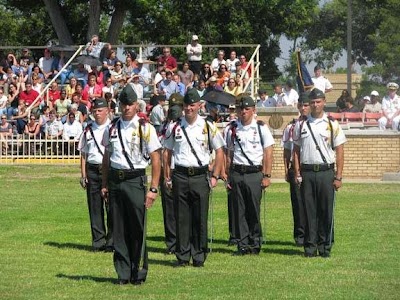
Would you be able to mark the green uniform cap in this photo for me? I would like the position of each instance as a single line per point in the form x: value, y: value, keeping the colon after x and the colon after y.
x: 99, y: 103
x: 316, y: 94
x: 192, y: 96
x: 128, y: 95
x: 246, y: 102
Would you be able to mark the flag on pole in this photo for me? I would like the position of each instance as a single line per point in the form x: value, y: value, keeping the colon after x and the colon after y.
x: 304, y: 81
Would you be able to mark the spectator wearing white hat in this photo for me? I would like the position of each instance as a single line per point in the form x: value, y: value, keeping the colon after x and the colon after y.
x: 390, y: 108
x: 194, y: 51
x: 374, y: 106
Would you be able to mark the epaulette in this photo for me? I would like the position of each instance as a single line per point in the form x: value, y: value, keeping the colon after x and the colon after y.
x: 261, y: 123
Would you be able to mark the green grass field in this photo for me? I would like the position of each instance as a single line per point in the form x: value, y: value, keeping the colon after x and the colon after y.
x: 45, y: 247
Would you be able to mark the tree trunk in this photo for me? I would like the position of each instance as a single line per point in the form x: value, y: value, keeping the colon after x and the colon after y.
x: 117, y: 20
x: 57, y: 19
x: 94, y: 18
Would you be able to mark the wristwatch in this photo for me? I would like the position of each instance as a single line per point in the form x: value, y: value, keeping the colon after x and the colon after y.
x: 153, y: 190
x: 266, y: 175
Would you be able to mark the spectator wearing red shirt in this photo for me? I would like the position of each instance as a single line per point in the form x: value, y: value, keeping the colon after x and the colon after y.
x: 168, y: 60
x: 244, y: 63
x: 91, y: 91
x: 29, y: 95
x: 53, y: 93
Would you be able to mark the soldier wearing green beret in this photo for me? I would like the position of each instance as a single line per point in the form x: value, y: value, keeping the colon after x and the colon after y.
x: 249, y: 162
x: 130, y: 144
x: 190, y: 142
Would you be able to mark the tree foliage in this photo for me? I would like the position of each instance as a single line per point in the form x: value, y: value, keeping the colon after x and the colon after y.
x: 166, y: 22
x: 375, y: 35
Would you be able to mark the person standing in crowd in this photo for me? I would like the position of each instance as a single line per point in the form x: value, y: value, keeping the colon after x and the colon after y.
x: 390, y: 108
x: 92, y: 151
x: 291, y: 96
x: 157, y: 115
x: 321, y: 82
x: 130, y: 145
x: 299, y: 216
x: 190, y: 142
x: 249, y: 160
x: 318, y: 149
x: 94, y: 47
x: 194, y: 51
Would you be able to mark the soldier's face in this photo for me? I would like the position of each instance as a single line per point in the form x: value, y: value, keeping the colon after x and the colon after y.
x: 100, y: 115
x: 247, y: 114
x: 304, y: 109
x: 317, y: 106
x: 129, y: 111
x: 191, y: 109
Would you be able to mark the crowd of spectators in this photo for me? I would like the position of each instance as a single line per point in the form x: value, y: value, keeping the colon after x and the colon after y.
x: 65, y: 106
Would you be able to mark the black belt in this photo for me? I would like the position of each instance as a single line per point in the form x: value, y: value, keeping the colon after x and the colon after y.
x: 191, y: 171
x: 95, y: 167
x: 127, y: 174
x: 317, y: 168
x: 243, y: 169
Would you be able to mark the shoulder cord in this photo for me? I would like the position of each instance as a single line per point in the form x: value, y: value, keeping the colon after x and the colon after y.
x: 191, y: 146
x: 142, y: 124
x: 95, y: 142
x: 235, y: 138
x: 315, y: 141
x: 123, y: 146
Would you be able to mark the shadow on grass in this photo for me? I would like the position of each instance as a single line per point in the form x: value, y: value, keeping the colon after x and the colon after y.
x: 86, y: 277
x: 293, y: 252
x: 155, y: 250
x: 168, y: 263
x: 282, y: 243
x: 69, y: 246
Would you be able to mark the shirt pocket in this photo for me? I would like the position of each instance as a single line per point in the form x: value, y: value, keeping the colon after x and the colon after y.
x: 202, y: 142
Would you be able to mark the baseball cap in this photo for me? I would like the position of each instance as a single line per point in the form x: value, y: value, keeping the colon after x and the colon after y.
x: 367, y: 98
x: 195, y: 37
x: 213, y: 79
x: 375, y: 93
x: 100, y: 103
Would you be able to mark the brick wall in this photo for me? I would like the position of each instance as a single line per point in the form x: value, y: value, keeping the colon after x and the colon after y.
x: 368, y: 154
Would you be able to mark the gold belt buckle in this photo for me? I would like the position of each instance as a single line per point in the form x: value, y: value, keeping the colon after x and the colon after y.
x: 121, y: 174
x: 316, y: 168
x: 190, y: 171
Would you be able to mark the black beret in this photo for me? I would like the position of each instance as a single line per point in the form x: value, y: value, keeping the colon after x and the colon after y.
x: 316, y: 94
x: 128, y: 95
x: 192, y: 96
x: 99, y: 103
x: 246, y: 101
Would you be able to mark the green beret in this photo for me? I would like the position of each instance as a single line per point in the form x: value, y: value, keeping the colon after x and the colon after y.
x: 174, y: 112
x: 175, y: 99
x: 128, y: 95
x: 316, y: 94
x: 99, y: 103
x: 246, y: 101
x: 192, y: 96
x: 304, y: 97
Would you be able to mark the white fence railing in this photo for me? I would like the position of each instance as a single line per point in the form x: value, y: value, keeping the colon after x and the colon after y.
x: 39, y: 149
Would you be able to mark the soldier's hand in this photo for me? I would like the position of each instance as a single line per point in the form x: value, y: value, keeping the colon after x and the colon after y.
x: 83, y: 181
x: 150, y: 198
x: 104, y: 194
x: 213, y: 182
x: 168, y: 184
x: 337, y: 184
x: 266, y: 182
